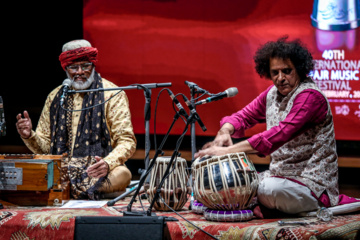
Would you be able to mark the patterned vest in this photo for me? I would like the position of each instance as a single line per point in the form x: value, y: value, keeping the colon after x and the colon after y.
x: 309, y: 157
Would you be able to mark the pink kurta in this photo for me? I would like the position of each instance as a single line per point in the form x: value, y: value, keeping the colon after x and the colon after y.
x: 309, y: 108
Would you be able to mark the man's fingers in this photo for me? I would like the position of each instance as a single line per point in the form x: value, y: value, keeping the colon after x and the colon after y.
x: 207, y: 145
x: 94, y: 167
x: 200, y: 153
x: 217, y: 143
x: 22, y: 124
x: 26, y: 115
x: 21, y: 121
x: 99, y: 169
x: 98, y: 174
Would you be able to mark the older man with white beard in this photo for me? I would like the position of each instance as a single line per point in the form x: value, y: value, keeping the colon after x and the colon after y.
x: 93, y: 129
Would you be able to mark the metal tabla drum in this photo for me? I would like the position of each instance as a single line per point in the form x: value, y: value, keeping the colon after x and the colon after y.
x: 226, y: 185
x: 175, y: 189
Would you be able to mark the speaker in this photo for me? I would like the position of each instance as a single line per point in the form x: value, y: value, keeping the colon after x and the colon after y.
x: 112, y: 227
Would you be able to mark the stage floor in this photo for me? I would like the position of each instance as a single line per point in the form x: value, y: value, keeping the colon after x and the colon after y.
x: 109, y: 223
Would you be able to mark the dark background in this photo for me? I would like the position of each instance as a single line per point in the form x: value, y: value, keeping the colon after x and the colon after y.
x: 31, y: 69
x: 33, y: 35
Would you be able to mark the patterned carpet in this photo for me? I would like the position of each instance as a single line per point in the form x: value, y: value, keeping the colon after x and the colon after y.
x: 17, y: 223
x: 340, y: 227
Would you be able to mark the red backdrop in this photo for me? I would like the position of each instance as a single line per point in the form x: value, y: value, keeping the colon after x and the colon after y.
x: 212, y: 43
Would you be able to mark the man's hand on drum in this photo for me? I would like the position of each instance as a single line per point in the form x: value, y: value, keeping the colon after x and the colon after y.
x: 24, y: 125
x: 99, y: 169
x: 212, y: 151
x: 220, y: 143
x: 223, y: 137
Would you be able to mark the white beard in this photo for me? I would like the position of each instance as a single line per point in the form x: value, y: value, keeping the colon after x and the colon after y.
x: 82, y: 85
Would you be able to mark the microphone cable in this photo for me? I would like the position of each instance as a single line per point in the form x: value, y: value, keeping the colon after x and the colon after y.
x: 135, y: 84
x: 155, y: 112
x: 188, y: 221
x: 93, y: 105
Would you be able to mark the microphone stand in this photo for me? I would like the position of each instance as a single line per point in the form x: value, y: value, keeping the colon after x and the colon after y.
x: 192, y: 126
x: 194, y: 89
x: 144, y: 176
x: 193, y: 140
x: 147, y: 113
x: 191, y: 118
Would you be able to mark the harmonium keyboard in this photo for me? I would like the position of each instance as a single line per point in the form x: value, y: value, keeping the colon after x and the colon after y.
x: 33, y: 180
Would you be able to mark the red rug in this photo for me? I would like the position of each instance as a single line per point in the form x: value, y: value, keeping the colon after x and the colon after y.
x: 57, y: 223
x: 44, y: 223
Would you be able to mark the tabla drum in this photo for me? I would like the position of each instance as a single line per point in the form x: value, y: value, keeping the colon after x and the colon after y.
x: 175, y: 189
x: 225, y: 183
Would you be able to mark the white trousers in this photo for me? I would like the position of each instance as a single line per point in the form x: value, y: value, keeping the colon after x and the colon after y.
x: 286, y: 196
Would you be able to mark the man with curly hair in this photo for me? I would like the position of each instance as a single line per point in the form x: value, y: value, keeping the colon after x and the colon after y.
x: 300, y: 139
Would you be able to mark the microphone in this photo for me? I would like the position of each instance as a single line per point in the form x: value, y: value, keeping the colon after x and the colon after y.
x: 66, y: 83
x: 230, y: 92
x: 177, y: 103
x: 2, y: 119
x: 193, y: 111
x: 194, y: 85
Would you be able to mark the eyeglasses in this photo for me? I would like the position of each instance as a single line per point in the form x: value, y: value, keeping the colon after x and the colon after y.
x: 84, y: 67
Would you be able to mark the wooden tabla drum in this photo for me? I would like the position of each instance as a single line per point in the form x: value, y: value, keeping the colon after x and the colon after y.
x: 225, y: 183
x: 174, y: 190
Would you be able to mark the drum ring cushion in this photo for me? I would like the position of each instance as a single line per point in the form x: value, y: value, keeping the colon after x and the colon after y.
x: 228, y: 215
x: 198, y: 207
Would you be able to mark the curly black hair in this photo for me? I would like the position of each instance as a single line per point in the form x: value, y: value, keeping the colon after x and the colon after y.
x: 294, y: 50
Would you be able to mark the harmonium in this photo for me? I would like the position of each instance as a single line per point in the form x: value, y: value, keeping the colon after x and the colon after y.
x: 33, y: 180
